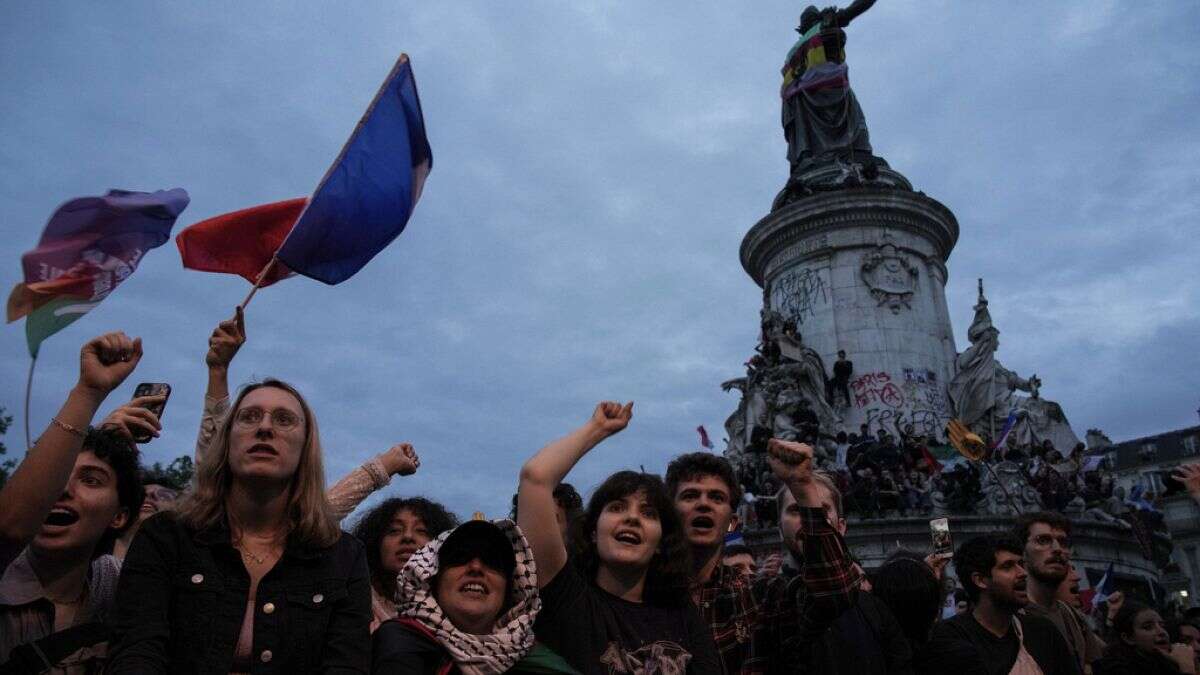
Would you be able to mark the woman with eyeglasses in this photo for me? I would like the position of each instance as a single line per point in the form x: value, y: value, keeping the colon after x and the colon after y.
x: 250, y: 568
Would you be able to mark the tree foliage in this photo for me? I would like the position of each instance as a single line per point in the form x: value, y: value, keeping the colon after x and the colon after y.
x: 7, y: 465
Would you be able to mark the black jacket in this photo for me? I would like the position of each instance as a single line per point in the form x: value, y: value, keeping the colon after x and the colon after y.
x: 1122, y: 659
x: 401, y: 650
x: 865, y: 640
x: 182, y: 596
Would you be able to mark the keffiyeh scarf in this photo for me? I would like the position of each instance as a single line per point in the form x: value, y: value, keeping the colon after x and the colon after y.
x: 509, y: 641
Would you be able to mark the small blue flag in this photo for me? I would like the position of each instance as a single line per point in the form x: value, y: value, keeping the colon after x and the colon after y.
x: 367, y: 196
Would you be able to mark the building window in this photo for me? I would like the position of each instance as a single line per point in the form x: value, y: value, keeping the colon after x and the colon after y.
x: 1190, y: 444
x: 1148, y: 452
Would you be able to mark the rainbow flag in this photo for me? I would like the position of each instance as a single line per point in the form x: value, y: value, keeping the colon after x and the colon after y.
x: 89, y: 246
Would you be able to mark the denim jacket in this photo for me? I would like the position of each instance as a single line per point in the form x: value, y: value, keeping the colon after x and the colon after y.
x: 182, y: 596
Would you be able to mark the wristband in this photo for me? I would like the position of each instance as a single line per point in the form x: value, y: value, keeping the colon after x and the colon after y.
x: 67, y: 427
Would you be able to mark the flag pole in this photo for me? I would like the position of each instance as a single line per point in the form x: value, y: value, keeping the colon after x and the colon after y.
x: 258, y: 282
x: 28, y: 391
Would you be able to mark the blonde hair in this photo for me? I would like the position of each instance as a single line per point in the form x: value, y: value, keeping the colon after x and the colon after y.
x: 827, y: 481
x: 310, y: 519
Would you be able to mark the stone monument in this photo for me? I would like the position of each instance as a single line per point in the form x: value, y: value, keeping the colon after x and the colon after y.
x: 849, y: 258
x: 983, y: 393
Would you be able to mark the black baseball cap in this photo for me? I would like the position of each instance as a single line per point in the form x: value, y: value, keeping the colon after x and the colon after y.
x: 478, y: 539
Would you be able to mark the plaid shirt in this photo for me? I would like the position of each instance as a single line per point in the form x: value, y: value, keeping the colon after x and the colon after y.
x: 726, y: 602
x: 795, y: 608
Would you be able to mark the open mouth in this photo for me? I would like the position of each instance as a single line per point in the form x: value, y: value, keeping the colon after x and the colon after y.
x: 1164, y: 645
x: 62, y: 516
x: 628, y: 537
x: 474, y: 588
x: 262, y: 449
x: 702, y: 523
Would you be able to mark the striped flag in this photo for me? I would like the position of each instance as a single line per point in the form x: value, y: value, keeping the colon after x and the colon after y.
x: 704, y: 440
x: 89, y: 246
x: 1006, y: 430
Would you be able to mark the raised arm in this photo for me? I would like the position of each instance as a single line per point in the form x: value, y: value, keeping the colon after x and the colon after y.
x: 227, y: 338
x: 536, y: 512
x: 375, y: 474
x: 30, y: 493
x: 829, y: 575
x: 1189, y: 476
x: 850, y: 13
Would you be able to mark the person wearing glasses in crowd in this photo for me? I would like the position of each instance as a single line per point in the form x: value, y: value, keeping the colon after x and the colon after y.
x: 391, y: 531
x: 250, y: 568
x: 624, y: 605
x: 74, y: 493
x: 1046, y: 536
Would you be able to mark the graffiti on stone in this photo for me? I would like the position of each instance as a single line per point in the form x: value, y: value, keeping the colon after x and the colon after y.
x: 925, y: 422
x: 876, y: 388
x: 922, y: 390
x: 799, y: 293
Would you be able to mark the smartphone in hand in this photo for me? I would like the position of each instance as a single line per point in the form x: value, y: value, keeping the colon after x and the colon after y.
x: 939, y: 530
x: 152, y: 389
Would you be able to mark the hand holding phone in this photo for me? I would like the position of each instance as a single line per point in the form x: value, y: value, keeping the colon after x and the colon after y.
x: 939, y: 531
x: 151, y: 389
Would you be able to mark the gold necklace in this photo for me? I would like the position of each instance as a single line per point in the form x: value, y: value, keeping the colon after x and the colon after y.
x: 258, y: 560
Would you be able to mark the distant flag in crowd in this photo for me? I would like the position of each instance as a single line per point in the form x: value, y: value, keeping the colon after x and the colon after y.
x: 1105, y: 587
x: 362, y: 203
x: 366, y: 198
x: 1093, y: 463
x: 1005, y: 430
x: 89, y: 246
x: 241, y: 242
x: 735, y: 538
x: 704, y: 440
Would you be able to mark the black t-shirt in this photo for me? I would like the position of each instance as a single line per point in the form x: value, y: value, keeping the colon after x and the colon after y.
x: 961, y: 645
x: 597, y: 632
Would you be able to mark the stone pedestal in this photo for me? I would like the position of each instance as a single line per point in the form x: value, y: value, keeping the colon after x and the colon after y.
x: 863, y: 269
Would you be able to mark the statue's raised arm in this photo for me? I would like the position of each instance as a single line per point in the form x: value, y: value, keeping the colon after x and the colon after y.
x: 845, y: 16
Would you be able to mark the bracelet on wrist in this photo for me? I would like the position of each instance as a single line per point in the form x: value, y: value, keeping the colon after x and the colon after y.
x: 67, y: 427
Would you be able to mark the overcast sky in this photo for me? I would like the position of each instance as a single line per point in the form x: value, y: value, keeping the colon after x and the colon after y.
x: 595, y: 168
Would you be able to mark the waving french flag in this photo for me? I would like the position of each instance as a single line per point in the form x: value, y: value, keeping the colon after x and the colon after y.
x: 367, y: 196
x: 361, y: 205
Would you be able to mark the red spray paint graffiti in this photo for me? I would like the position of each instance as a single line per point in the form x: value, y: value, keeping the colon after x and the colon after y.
x: 876, y: 388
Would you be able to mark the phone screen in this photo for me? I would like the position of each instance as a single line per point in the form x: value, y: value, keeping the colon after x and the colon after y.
x: 939, y: 530
x: 152, y: 389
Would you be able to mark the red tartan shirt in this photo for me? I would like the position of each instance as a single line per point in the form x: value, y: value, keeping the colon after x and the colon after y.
x: 752, y: 622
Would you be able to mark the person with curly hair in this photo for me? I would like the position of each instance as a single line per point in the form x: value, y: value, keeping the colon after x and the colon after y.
x: 392, y: 532
x: 72, y: 495
x: 624, y: 605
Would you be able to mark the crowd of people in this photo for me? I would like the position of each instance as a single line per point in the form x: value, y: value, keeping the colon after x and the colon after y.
x: 899, y: 473
x: 250, y: 567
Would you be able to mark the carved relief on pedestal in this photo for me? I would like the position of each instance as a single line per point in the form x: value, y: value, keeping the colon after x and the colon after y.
x: 890, y: 276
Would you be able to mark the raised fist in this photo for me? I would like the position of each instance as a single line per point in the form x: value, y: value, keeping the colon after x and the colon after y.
x: 227, y: 338
x: 105, y: 361
x: 1115, y: 600
x: 135, y: 418
x: 401, y: 460
x: 790, y: 461
x: 611, y: 417
x: 1189, y: 475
